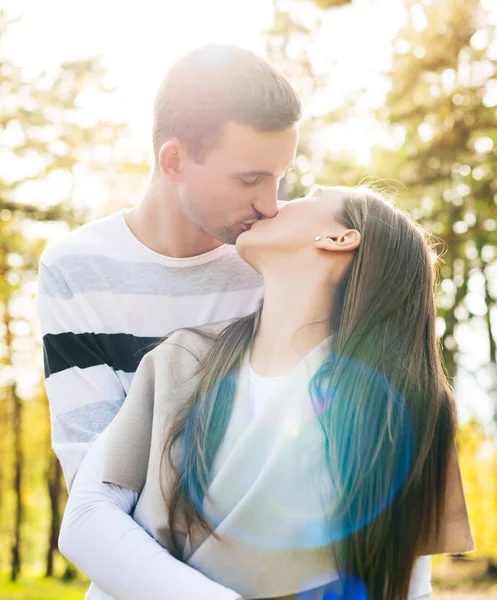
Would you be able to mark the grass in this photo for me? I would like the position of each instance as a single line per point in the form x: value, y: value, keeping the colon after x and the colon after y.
x: 54, y: 589
x: 464, y: 595
x: 43, y: 589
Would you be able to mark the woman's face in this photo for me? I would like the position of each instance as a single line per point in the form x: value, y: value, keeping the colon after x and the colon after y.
x: 294, y: 228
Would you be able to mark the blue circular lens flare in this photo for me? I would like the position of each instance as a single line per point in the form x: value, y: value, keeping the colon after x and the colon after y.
x: 273, y: 490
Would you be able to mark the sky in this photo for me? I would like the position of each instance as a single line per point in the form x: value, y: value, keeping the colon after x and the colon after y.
x: 138, y: 41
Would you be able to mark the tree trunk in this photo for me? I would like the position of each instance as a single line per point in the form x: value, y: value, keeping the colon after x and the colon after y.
x: 15, y: 565
x: 15, y: 568
x: 490, y: 303
x: 4, y: 420
x: 492, y: 568
x: 54, y: 482
x: 70, y: 572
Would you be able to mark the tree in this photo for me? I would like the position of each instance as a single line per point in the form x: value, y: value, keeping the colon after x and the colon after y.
x: 290, y: 44
x: 55, y: 484
x: 442, y: 101
x: 46, y: 135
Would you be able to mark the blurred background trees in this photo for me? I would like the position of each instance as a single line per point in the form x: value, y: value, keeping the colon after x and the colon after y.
x: 46, y: 137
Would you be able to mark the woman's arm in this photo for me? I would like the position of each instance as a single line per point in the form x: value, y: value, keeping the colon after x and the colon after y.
x: 99, y: 536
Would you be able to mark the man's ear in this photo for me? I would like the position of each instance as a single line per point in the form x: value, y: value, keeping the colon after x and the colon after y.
x: 345, y: 241
x: 170, y: 159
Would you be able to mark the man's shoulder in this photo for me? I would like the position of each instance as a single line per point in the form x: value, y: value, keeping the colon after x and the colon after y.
x: 91, y: 238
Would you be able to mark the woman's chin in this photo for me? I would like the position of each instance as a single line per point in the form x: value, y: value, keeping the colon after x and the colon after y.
x: 240, y: 241
x: 244, y: 244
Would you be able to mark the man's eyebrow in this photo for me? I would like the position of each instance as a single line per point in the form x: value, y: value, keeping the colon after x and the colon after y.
x: 253, y: 174
x: 260, y: 173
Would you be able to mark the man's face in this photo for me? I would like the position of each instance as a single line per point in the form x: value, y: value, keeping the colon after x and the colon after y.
x: 237, y: 182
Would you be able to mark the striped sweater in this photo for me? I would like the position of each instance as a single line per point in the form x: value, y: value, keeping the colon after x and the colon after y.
x: 103, y: 300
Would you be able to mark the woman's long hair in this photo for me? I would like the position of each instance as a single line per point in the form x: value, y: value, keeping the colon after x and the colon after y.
x: 381, y: 396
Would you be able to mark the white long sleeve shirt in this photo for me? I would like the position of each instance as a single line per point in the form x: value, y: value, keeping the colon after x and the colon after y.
x: 123, y: 561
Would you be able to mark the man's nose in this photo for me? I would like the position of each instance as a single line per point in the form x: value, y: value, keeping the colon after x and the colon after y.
x: 267, y: 204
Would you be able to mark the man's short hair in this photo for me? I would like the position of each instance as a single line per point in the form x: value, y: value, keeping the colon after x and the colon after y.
x: 214, y: 85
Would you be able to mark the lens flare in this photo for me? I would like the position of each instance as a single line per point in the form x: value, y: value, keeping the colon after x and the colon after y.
x: 274, y: 488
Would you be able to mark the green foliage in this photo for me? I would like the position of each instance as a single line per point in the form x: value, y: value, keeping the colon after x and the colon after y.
x: 478, y: 461
x: 441, y: 102
x: 46, y: 135
x: 290, y: 30
x: 44, y: 127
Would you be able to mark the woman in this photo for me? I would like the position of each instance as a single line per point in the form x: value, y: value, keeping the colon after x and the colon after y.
x: 306, y: 451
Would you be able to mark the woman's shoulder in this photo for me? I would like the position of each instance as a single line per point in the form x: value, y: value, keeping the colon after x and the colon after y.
x: 170, y: 370
x: 189, y: 343
x: 209, y: 331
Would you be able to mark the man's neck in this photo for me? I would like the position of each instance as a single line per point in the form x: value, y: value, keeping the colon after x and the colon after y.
x: 158, y: 223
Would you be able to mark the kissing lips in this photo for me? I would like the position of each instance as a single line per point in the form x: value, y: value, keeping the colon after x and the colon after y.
x: 248, y: 226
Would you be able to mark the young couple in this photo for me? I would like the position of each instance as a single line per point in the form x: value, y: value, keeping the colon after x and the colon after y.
x: 291, y: 433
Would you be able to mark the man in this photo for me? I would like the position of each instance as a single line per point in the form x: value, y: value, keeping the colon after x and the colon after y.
x: 224, y: 134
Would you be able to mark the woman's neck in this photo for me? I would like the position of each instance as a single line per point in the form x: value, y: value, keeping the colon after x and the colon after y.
x: 294, y: 320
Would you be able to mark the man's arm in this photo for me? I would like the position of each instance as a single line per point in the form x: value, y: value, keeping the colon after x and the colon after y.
x: 84, y: 392
x: 116, y: 553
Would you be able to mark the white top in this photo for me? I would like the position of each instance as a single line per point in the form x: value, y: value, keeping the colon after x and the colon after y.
x: 103, y: 299
x: 116, y: 553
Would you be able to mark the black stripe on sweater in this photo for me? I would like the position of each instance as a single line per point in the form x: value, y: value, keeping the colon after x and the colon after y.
x: 121, y: 351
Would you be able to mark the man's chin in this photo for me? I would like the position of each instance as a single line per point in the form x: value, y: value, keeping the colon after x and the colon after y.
x: 228, y: 236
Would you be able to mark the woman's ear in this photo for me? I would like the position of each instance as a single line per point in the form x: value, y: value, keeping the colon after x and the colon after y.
x: 170, y: 159
x: 345, y: 241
